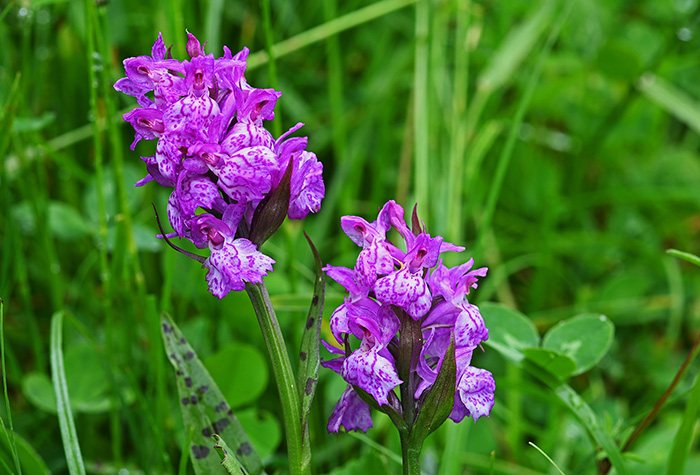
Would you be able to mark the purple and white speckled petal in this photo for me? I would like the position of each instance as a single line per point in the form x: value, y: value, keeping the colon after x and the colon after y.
x: 373, y: 373
x: 470, y: 329
x: 236, y: 262
x: 245, y: 134
x: 351, y: 412
x: 405, y: 290
x: 373, y: 260
x: 246, y: 175
x: 194, y: 191
x: 476, y: 388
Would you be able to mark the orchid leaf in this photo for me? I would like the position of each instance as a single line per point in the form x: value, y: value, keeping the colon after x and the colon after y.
x: 309, y: 359
x: 440, y: 401
x: 228, y: 460
x: 203, y: 407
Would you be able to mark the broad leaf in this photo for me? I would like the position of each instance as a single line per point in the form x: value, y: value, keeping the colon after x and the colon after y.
x: 203, y: 407
x: 237, y: 366
x: 510, y: 332
x: 584, y: 338
x: 559, y: 365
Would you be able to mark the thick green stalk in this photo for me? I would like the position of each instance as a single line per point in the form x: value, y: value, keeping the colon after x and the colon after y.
x: 299, y: 456
x: 410, y: 456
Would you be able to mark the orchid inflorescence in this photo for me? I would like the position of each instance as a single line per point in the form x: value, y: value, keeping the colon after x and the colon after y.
x: 406, y: 309
x: 233, y: 183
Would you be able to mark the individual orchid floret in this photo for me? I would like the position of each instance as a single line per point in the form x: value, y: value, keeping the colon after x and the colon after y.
x: 351, y: 412
x: 415, y: 326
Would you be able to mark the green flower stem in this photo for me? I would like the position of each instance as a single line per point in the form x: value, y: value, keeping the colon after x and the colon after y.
x: 410, y: 455
x: 299, y: 456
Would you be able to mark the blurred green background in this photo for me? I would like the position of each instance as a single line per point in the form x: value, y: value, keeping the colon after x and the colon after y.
x: 557, y: 140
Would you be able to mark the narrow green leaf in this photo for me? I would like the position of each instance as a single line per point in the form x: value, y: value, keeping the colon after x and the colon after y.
x: 228, y: 460
x: 203, y: 407
x: 584, y: 338
x: 65, y: 416
x: 672, y: 99
x: 11, y: 433
x: 309, y: 359
x: 440, y: 401
x: 33, y: 124
x: 575, y: 403
x: 510, y: 332
x: 185, y: 452
x: 684, y: 437
x: 514, y: 48
x: 325, y: 30
x: 559, y: 365
x: 30, y: 461
x: 685, y: 255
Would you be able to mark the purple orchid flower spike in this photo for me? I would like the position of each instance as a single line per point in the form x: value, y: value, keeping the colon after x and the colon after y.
x: 409, y: 312
x: 214, y: 151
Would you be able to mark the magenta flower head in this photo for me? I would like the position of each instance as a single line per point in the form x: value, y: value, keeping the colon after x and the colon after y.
x: 406, y: 324
x: 232, y: 182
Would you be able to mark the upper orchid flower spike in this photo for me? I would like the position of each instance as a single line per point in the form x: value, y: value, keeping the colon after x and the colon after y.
x: 214, y: 151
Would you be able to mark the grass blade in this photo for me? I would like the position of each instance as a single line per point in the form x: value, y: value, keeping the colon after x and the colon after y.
x: 684, y: 437
x: 685, y: 255
x: 507, y: 152
x: 333, y: 27
x: 11, y: 433
x: 672, y: 99
x: 60, y: 386
x: 575, y: 403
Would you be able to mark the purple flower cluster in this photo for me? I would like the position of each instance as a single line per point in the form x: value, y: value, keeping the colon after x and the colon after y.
x: 389, y: 290
x: 213, y: 150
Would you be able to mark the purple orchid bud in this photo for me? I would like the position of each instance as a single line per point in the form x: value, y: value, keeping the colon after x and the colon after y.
x: 194, y: 48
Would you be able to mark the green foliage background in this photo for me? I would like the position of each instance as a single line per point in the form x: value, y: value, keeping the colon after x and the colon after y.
x: 559, y: 141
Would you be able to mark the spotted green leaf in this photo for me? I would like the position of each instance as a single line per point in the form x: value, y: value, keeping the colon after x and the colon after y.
x: 203, y: 407
x: 307, y: 374
x: 230, y: 463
